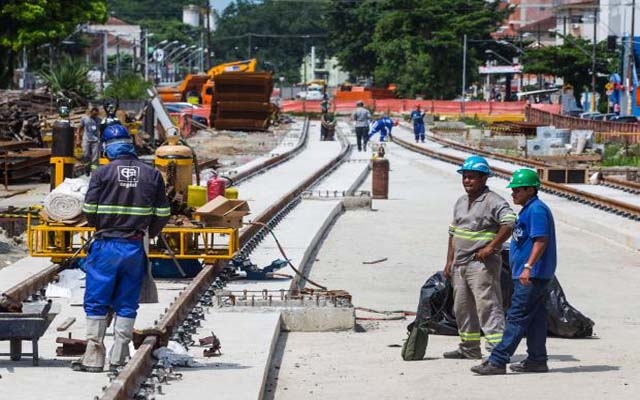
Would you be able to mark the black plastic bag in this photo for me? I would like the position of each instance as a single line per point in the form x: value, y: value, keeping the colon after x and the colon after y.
x: 436, y: 305
x: 563, y: 319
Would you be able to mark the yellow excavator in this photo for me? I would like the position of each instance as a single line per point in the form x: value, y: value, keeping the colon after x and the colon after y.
x: 198, y: 88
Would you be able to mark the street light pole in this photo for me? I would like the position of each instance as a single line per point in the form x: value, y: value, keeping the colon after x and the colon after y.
x: 630, y: 60
x: 593, y: 60
x: 464, y: 71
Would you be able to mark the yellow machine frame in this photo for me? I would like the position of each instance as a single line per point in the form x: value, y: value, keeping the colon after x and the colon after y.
x: 59, y: 242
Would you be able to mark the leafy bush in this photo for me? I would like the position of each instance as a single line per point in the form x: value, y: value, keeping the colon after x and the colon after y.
x: 128, y: 86
x: 69, y: 78
x: 621, y: 155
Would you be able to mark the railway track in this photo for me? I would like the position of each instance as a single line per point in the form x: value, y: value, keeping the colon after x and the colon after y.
x: 130, y: 382
x: 574, y: 194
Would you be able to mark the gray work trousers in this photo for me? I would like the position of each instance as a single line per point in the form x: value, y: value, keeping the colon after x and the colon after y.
x: 91, y: 153
x: 477, y: 304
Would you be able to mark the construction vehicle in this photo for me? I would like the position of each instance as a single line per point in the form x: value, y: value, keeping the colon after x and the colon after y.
x: 235, y: 66
x: 199, y: 87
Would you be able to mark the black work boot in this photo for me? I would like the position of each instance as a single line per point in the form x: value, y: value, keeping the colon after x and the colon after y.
x: 529, y: 366
x: 487, y: 368
x: 458, y: 354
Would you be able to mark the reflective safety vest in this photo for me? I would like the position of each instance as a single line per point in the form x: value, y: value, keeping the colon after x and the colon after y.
x: 126, y: 196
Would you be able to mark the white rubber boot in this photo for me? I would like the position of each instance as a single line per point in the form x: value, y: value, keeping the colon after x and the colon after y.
x: 94, y: 355
x: 122, y: 337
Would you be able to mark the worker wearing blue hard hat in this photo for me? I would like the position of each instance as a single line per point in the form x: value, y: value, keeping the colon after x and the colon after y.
x: 482, y: 222
x: 125, y: 202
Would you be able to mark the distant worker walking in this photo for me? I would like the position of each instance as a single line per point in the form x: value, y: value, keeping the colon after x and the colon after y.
x: 532, y: 257
x: 125, y: 200
x: 417, y: 118
x: 88, y: 134
x: 482, y: 221
x: 362, y: 117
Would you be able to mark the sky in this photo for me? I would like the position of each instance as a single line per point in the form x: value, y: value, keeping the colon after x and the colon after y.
x: 220, y: 5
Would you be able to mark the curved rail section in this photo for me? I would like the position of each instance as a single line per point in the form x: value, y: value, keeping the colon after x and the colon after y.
x: 130, y: 379
x: 600, y: 202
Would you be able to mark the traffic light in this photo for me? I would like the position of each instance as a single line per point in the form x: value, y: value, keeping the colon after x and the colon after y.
x: 611, y: 42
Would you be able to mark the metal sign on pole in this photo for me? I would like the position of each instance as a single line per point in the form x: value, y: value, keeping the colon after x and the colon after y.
x: 158, y: 55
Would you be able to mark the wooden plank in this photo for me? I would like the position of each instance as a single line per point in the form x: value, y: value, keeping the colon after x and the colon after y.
x: 66, y: 324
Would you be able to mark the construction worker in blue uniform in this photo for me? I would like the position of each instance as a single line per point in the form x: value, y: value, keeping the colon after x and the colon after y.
x: 482, y: 222
x: 382, y: 125
x: 125, y: 201
x: 533, y: 259
x: 417, y: 118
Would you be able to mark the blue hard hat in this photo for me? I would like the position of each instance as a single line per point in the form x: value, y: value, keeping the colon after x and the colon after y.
x: 115, y: 134
x: 475, y: 163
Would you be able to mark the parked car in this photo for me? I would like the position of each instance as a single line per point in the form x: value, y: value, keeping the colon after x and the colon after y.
x: 198, y: 113
x: 311, y: 95
x: 604, y: 117
x: 590, y: 115
x: 574, y: 113
x: 625, y: 119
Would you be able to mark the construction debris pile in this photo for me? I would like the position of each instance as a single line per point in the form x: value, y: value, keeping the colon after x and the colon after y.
x: 22, y: 113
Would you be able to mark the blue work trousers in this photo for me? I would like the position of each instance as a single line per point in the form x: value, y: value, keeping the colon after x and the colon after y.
x: 115, y: 270
x: 527, y: 316
x: 418, y: 132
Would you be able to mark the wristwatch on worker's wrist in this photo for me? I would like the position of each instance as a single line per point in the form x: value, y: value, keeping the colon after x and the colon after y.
x: 527, y: 266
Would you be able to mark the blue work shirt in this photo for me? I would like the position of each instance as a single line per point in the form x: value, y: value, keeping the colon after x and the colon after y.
x: 417, y: 117
x: 534, y: 221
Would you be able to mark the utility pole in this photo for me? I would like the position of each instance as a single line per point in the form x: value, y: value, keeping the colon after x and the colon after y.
x: 630, y: 61
x: 593, y: 58
x: 207, y: 25
x: 464, y: 71
x: 146, y: 55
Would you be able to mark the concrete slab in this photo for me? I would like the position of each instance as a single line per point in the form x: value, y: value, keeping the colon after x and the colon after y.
x: 247, y: 340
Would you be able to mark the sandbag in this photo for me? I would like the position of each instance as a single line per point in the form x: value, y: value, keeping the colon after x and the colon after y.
x: 65, y: 202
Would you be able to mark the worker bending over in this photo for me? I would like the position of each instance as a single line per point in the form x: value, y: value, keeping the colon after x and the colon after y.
x: 382, y: 125
x: 125, y: 200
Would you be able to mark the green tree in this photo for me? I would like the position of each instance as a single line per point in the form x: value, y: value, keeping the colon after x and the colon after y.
x: 128, y: 86
x: 415, y: 44
x: 351, y: 28
x: 572, y: 61
x: 28, y: 24
x: 276, y: 32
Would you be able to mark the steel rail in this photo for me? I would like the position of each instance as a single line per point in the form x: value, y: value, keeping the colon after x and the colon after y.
x: 129, y: 380
x: 629, y: 186
x: 573, y: 194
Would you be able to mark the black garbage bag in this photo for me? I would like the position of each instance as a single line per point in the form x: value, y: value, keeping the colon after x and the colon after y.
x: 436, y: 305
x: 563, y: 319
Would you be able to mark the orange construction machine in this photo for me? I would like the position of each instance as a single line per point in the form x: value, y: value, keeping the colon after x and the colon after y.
x: 198, y: 88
